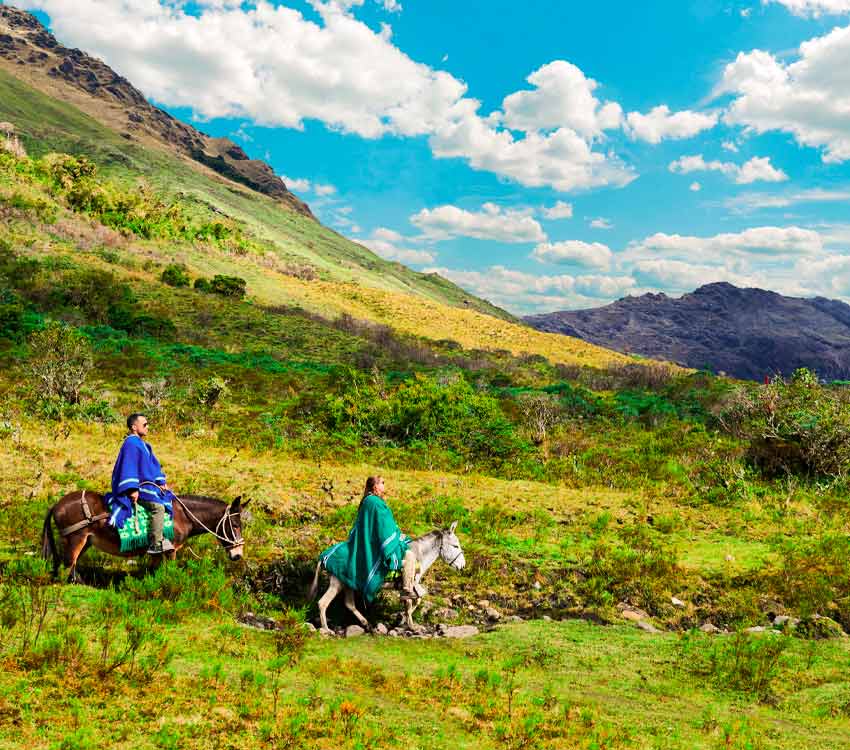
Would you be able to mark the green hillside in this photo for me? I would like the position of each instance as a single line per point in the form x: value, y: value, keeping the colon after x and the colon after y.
x: 625, y: 522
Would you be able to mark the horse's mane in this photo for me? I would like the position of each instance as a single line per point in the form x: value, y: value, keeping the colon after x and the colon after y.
x: 201, y: 500
x: 435, y: 532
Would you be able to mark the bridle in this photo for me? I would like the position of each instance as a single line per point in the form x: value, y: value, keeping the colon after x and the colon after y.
x: 225, y: 531
x: 442, y: 546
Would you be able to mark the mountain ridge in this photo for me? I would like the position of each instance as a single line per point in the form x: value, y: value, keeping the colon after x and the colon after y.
x: 749, y: 333
x: 26, y: 46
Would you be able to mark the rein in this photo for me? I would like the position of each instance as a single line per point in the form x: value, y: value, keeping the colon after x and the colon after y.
x: 225, y: 524
x: 455, y: 558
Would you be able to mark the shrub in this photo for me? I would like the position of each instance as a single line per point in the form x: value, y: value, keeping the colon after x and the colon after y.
x: 228, y: 286
x: 175, y: 274
x: 203, y: 285
x: 794, y: 427
x: 210, y: 391
x: 60, y: 360
x: 11, y: 315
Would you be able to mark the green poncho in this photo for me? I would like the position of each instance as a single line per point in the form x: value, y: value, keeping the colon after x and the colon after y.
x: 375, y: 546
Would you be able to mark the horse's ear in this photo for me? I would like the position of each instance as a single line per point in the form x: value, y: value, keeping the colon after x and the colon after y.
x: 453, y: 527
x: 245, y: 504
x: 234, y: 506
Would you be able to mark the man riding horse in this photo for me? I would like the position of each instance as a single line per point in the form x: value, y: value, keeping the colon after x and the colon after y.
x: 139, y: 479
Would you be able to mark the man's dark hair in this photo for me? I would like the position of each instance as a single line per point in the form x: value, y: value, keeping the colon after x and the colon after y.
x: 131, y: 420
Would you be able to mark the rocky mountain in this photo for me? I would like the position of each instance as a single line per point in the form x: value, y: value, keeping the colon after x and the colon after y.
x: 747, y: 333
x: 31, y: 52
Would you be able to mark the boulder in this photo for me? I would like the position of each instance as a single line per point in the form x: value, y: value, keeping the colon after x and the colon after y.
x: 676, y: 602
x: 446, y: 613
x: 781, y: 622
x: 352, y: 631
x: 647, y: 626
x: 819, y: 627
x: 627, y: 612
x: 709, y: 627
x: 381, y: 629
x: 492, y: 614
x: 459, y: 631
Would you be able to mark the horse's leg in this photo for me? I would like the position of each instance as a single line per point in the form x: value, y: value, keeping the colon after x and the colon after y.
x: 334, y: 586
x: 352, y: 607
x: 75, y: 545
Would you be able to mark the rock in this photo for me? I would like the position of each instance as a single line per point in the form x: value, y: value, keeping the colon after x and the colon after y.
x: 708, y: 627
x: 326, y: 633
x: 785, y: 621
x: 818, y: 627
x: 627, y: 612
x: 418, y: 629
x: 676, y: 602
x: 755, y: 629
x: 381, y: 629
x: 393, y: 633
x: 425, y: 607
x: 514, y: 618
x: 493, y: 614
x: 310, y: 626
x: 484, y: 604
x: 460, y: 631
x: 446, y: 613
x: 546, y: 618
x: 647, y: 626
x: 536, y: 585
x: 352, y: 631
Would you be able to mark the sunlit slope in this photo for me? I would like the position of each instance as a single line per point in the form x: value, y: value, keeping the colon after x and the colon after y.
x: 350, y: 280
x: 48, y: 124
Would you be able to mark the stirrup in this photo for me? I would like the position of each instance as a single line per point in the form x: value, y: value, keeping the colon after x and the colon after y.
x: 155, y: 549
x: 167, y: 546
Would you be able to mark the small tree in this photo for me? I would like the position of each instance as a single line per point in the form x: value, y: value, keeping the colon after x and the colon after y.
x: 228, y: 286
x: 175, y: 275
x: 60, y: 360
x: 540, y: 412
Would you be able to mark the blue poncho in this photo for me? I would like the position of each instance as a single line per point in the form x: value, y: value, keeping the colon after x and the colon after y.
x: 136, y: 468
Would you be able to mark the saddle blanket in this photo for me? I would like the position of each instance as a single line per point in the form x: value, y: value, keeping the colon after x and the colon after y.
x: 134, y: 532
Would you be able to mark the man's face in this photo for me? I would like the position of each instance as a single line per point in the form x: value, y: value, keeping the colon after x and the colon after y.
x: 140, y: 426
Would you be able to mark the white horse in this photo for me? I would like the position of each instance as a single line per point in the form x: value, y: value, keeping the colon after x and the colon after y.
x: 422, y: 553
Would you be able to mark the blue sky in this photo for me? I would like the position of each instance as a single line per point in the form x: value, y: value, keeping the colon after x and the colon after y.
x: 545, y: 155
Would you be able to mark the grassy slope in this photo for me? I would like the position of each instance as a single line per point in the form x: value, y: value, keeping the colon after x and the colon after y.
x: 579, y: 685
x: 51, y: 125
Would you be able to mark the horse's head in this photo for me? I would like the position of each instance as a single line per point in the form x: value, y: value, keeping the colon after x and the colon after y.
x: 232, y: 539
x: 450, y: 551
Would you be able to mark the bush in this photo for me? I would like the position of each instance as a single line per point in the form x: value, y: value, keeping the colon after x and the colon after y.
x: 228, y: 286
x: 175, y: 275
x: 203, y: 285
x: 797, y: 427
x: 60, y: 360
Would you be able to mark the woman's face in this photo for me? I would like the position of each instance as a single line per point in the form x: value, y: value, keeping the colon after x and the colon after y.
x: 379, y: 487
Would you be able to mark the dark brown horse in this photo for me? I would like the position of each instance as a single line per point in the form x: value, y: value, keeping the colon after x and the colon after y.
x: 82, y: 519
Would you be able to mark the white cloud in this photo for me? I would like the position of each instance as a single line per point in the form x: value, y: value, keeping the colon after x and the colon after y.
x: 730, y: 146
x: 660, y: 123
x: 385, y: 242
x: 601, y: 223
x: 746, y: 202
x: 589, y: 254
x: 755, y: 170
x: 296, y: 184
x: 561, y: 210
x: 271, y: 65
x: 765, y: 241
x: 562, y: 98
x: 392, y: 6
x: 491, y: 223
x: 682, y: 276
x: 807, y: 97
x: 695, y: 187
x: 814, y: 8
x: 324, y: 190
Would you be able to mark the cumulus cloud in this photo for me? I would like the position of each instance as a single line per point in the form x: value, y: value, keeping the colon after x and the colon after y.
x: 562, y: 98
x: 385, y: 243
x: 660, y: 123
x: 601, y: 223
x: 695, y: 187
x: 269, y: 64
x: 589, y: 254
x: 814, y: 8
x: 491, y: 223
x: 757, y: 169
x: 296, y: 184
x: 767, y: 241
x: 806, y: 98
x: 561, y: 210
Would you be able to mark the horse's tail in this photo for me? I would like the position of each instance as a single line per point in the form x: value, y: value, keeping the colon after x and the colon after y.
x: 48, y: 543
x: 314, y: 587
